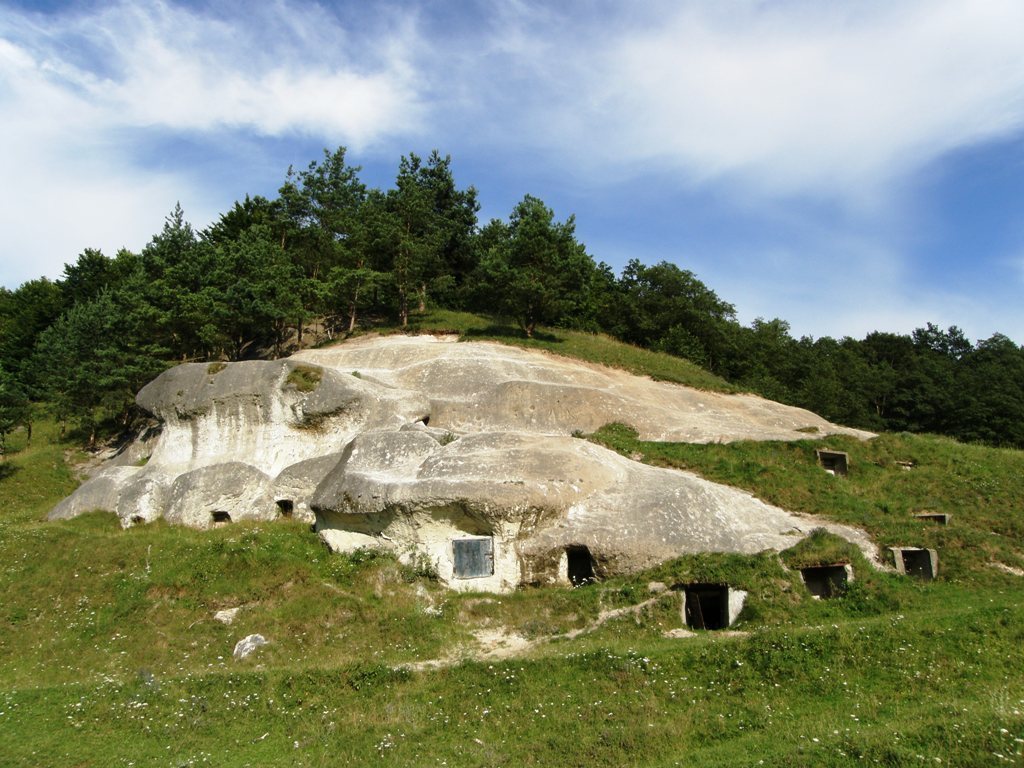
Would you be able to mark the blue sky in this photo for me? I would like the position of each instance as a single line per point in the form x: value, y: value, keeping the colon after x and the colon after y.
x: 846, y: 166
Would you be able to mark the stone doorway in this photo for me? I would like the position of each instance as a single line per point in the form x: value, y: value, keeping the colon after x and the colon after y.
x: 706, y: 606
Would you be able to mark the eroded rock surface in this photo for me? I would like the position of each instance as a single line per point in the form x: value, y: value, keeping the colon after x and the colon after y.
x: 485, y: 386
x: 456, y: 456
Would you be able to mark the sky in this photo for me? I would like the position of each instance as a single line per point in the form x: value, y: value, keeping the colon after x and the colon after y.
x: 848, y: 166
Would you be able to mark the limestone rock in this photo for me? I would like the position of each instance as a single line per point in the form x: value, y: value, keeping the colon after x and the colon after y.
x: 455, y: 456
x: 226, y: 616
x: 248, y: 645
x: 222, y: 493
x: 534, y: 498
x: 484, y: 386
x: 100, y: 492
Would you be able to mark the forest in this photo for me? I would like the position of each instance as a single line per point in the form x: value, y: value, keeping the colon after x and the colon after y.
x: 329, y: 252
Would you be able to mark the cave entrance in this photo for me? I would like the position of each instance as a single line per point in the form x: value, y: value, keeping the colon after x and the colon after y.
x: 834, y: 462
x: 579, y: 565
x: 706, y: 606
x: 285, y: 507
x: 220, y: 517
x: 825, y: 581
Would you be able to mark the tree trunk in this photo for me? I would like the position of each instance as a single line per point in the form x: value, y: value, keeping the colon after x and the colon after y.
x: 423, y: 298
x: 352, y: 311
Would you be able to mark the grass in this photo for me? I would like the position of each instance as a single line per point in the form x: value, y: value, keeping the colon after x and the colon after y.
x: 109, y: 654
x: 304, y: 378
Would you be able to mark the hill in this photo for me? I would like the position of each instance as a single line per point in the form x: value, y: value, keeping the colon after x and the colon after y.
x: 111, y: 654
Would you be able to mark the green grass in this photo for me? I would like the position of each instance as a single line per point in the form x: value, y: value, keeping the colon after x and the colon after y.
x: 109, y: 654
x: 304, y: 378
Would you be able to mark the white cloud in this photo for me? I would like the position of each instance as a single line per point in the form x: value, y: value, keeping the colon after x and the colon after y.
x: 280, y: 69
x: 81, y: 95
x: 787, y: 97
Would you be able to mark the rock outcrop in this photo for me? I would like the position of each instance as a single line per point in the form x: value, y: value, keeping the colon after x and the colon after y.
x: 457, y: 456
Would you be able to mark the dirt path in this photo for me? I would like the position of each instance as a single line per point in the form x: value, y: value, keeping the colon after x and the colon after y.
x: 499, y: 643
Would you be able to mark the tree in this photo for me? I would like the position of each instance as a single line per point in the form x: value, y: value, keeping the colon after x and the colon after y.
x: 534, y: 265
x: 84, y: 279
x: 255, y: 289
x: 24, y: 314
x: 15, y: 409
x: 90, y: 363
x: 989, y: 394
x: 765, y: 358
x: 174, y: 270
x: 668, y: 308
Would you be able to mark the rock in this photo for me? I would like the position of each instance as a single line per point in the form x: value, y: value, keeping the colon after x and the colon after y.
x: 100, y: 492
x: 528, y: 500
x: 247, y: 645
x: 227, y: 616
x: 679, y: 633
x: 656, y: 587
x: 457, y: 457
x: 486, y: 386
x: 221, y: 493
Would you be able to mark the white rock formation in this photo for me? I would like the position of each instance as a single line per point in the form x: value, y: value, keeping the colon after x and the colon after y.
x: 456, y: 456
x: 247, y: 646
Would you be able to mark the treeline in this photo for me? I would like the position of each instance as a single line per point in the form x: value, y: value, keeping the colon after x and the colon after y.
x: 330, y: 251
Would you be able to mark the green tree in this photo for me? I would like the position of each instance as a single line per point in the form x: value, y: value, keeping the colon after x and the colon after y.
x: 255, y: 290
x: 668, y: 308
x: 94, y: 358
x: 534, y: 266
x: 15, y: 409
x: 989, y: 399
x: 24, y: 314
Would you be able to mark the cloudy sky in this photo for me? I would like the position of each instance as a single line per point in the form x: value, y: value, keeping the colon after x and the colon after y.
x: 846, y: 166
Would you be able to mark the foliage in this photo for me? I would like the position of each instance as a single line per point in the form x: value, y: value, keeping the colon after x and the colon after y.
x: 15, y: 409
x: 534, y: 266
x: 90, y: 363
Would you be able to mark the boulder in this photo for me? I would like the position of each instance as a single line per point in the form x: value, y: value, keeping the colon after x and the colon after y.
x: 455, y: 456
x: 248, y: 645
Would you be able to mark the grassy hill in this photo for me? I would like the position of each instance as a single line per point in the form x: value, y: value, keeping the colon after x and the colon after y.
x: 110, y: 655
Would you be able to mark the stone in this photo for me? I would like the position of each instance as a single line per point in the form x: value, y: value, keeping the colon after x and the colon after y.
x: 457, y: 457
x: 486, y: 386
x: 226, y: 616
x: 248, y: 645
